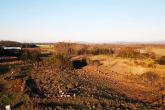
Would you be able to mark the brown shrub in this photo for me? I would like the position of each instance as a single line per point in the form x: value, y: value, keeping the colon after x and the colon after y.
x: 161, y: 60
x: 99, y: 51
x: 64, y: 48
x: 133, y: 53
x: 81, y: 49
x: 150, y: 77
x: 61, y: 61
x: 31, y: 55
x: 127, y: 52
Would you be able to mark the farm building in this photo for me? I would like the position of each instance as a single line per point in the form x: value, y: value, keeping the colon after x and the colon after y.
x: 11, y: 50
x: 142, y: 51
x: 1, y: 49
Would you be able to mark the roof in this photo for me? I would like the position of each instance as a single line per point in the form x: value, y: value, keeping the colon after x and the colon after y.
x: 8, y: 48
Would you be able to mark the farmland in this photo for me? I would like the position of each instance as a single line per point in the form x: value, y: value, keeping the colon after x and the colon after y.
x: 84, y: 76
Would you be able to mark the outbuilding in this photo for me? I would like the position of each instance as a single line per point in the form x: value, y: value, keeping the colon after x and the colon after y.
x: 12, y: 50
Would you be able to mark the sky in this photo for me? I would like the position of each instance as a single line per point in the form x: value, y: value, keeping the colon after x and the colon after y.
x: 82, y: 20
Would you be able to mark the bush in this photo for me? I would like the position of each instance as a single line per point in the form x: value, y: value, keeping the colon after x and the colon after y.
x: 8, y: 98
x: 81, y: 49
x: 64, y: 48
x: 150, y: 77
x: 133, y: 53
x: 31, y: 56
x: 128, y: 53
x: 99, y: 51
x: 162, y: 60
x: 61, y: 61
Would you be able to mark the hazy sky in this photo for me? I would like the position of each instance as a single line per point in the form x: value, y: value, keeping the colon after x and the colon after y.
x: 82, y: 20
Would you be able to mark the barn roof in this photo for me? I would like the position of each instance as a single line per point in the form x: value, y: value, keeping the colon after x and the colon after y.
x: 10, y: 48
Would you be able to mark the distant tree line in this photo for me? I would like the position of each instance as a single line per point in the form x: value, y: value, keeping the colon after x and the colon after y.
x: 81, y: 49
x: 132, y: 53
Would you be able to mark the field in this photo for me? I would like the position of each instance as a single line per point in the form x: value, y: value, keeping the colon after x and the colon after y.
x: 159, y: 51
x: 84, y: 77
x: 47, y: 47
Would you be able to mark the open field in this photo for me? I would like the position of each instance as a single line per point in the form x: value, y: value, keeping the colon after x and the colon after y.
x: 84, y: 77
x: 159, y: 51
x: 47, y: 47
x: 82, y: 54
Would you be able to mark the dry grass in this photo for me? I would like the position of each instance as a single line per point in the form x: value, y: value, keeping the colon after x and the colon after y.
x: 46, y: 48
x: 113, y: 83
x: 159, y: 51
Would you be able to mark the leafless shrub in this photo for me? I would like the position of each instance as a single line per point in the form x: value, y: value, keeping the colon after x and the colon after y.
x: 30, y: 55
x: 61, y: 61
x: 98, y: 51
x: 150, y: 77
x: 133, y: 53
x: 64, y: 48
x: 81, y: 49
x: 161, y: 60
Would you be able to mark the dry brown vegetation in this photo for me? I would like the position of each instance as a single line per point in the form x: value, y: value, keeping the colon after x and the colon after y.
x: 81, y: 76
x: 81, y: 49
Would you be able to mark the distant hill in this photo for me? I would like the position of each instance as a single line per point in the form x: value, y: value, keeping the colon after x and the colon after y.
x: 17, y: 44
x: 10, y: 43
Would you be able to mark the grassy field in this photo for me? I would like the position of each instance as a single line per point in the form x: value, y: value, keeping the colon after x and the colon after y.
x: 47, y: 47
x: 159, y: 51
